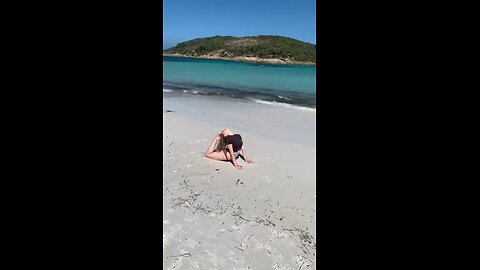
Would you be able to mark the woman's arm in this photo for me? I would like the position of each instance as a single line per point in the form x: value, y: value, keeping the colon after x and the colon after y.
x: 244, y: 152
x: 232, y: 155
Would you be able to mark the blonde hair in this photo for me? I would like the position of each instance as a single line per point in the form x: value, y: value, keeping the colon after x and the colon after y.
x: 220, y: 144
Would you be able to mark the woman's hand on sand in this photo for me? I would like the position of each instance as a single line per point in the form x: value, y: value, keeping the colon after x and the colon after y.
x: 249, y: 161
x: 239, y: 167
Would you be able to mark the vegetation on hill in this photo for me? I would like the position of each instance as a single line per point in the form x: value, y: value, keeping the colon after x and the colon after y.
x: 264, y: 47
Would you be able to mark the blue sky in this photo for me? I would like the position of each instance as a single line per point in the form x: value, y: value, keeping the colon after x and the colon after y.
x: 188, y: 19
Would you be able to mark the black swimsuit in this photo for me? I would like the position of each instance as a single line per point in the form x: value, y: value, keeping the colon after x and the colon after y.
x: 235, y: 141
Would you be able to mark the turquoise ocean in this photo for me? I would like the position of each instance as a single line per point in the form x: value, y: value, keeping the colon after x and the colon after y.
x: 281, y: 85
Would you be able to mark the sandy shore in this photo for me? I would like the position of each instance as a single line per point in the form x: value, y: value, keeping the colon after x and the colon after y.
x: 258, y: 60
x: 216, y: 217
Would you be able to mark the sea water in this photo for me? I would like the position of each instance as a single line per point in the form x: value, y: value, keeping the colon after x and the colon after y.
x: 281, y: 85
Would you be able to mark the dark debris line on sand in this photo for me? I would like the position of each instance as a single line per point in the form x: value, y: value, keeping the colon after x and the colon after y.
x: 181, y: 255
x: 192, y: 203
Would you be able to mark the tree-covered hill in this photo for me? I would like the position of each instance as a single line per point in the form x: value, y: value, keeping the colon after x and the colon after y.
x: 279, y: 48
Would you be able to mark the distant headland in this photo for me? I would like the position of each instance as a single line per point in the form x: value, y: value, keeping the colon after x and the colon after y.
x: 257, y: 49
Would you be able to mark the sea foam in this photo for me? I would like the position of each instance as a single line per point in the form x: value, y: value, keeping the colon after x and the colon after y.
x: 285, y: 105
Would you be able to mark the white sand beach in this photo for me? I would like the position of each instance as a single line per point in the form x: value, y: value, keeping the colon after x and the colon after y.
x: 217, y: 217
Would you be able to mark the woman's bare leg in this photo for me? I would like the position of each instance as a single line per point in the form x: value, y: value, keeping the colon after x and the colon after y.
x: 222, y: 155
x: 226, y: 132
x: 211, y: 148
x: 211, y: 153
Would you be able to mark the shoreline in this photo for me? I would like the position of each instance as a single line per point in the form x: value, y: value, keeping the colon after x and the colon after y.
x: 280, y: 99
x: 245, y: 59
x: 247, y: 115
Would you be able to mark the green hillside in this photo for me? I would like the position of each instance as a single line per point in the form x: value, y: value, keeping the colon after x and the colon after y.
x: 265, y: 47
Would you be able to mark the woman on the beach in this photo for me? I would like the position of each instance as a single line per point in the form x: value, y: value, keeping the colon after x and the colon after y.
x: 227, y: 147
